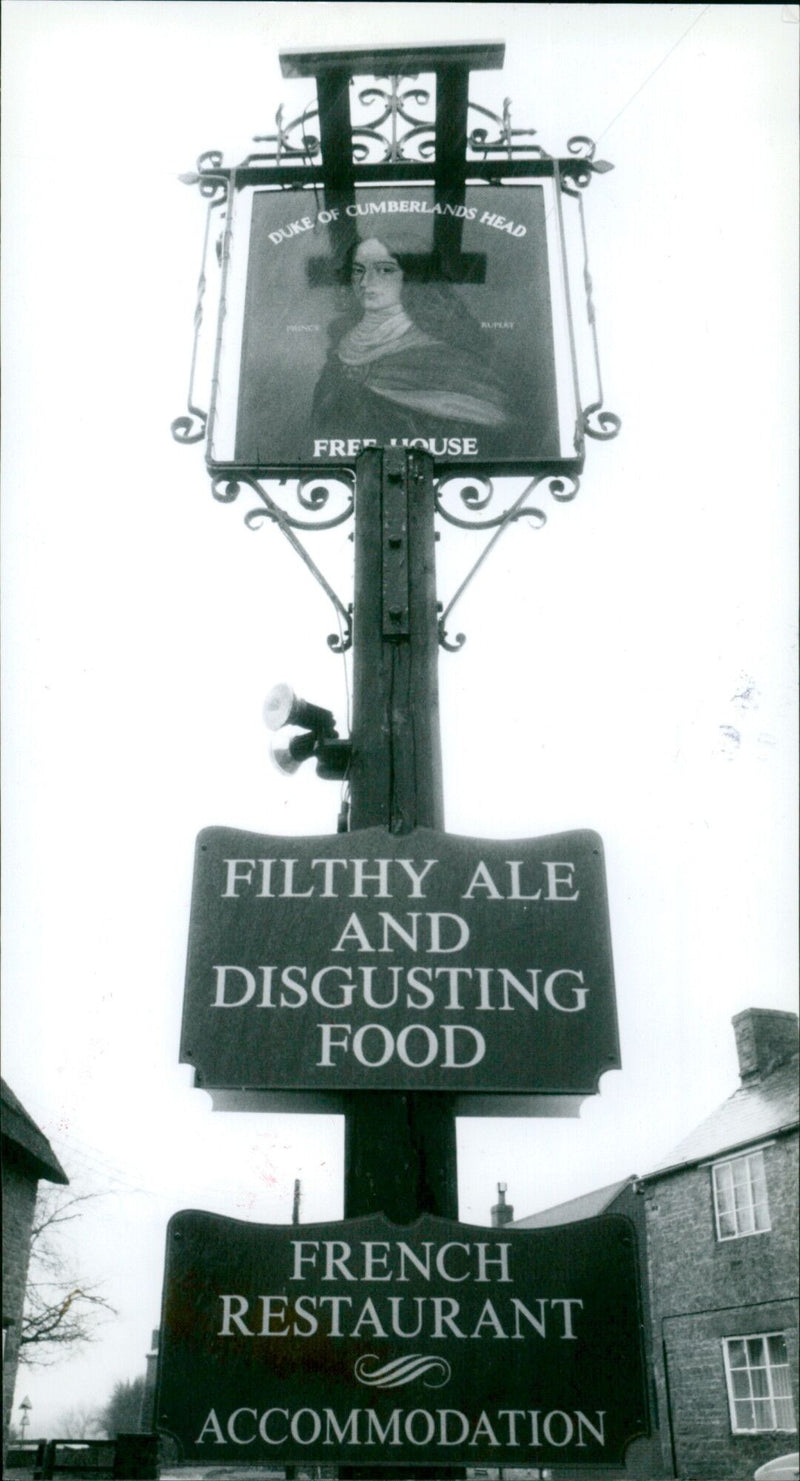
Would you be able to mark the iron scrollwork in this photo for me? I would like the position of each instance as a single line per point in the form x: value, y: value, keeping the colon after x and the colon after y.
x: 475, y: 492
x: 191, y: 425
x: 582, y: 148
x: 600, y: 424
x: 476, y: 496
x: 308, y: 148
x: 312, y: 494
x: 508, y: 140
x: 209, y: 175
x: 395, y: 103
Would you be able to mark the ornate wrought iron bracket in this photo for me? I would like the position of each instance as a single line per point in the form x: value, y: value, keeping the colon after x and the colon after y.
x: 476, y: 500
x: 312, y: 494
x: 395, y: 102
x: 294, y: 158
x: 582, y: 151
x: 442, y: 144
x: 307, y: 149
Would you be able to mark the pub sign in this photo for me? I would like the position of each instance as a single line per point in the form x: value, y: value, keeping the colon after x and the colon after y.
x: 367, y: 1342
x: 393, y: 318
x: 376, y: 961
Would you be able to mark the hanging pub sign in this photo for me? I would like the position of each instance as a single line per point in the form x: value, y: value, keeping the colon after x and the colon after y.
x: 377, y: 961
x: 393, y: 318
x: 367, y: 1342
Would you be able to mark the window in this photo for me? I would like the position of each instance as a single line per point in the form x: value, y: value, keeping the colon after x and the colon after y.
x: 759, y: 1391
x: 740, y: 1196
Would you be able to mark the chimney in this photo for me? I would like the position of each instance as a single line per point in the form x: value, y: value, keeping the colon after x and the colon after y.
x: 765, y: 1039
x: 502, y: 1212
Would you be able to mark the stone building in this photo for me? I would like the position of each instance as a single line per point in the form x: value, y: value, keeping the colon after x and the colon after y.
x: 717, y: 1228
x: 26, y: 1158
x: 722, y: 1247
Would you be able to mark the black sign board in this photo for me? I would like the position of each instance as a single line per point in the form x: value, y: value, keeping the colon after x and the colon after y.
x: 396, y: 318
x: 375, y: 961
x: 366, y: 1342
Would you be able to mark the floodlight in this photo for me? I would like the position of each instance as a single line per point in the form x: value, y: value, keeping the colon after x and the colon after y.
x: 283, y: 707
x: 289, y: 758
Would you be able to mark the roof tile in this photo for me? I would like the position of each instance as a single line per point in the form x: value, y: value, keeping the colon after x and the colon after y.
x: 755, y: 1111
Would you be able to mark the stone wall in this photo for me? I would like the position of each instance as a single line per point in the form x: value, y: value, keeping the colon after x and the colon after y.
x: 704, y: 1289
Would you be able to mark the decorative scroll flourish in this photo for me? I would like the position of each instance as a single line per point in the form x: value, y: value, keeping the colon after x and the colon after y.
x: 508, y: 140
x: 210, y: 176
x: 583, y: 149
x: 307, y: 146
x: 191, y: 426
x: 395, y: 105
x: 561, y: 487
x: 397, y: 133
x: 312, y: 493
x: 606, y: 424
x: 476, y: 493
x: 395, y: 102
x: 291, y: 144
x: 401, y: 1371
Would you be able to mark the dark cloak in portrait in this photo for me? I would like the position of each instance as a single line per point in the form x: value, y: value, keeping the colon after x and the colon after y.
x: 416, y: 367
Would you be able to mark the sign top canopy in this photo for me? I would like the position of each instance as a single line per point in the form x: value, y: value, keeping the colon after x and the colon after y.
x: 476, y: 56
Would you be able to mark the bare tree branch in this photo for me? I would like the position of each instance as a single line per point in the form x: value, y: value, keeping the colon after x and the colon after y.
x: 54, y: 1207
x: 79, y: 1422
x: 61, y: 1309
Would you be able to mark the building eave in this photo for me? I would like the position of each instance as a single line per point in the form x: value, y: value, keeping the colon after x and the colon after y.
x: 669, y: 1169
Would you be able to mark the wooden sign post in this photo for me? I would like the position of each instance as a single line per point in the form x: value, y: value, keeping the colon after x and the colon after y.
x: 395, y: 972
x: 400, y: 1149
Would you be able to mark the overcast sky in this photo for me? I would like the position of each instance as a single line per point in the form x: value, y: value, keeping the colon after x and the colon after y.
x: 629, y: 667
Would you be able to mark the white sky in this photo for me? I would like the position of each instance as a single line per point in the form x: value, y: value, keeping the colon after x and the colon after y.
x: 629, y: 668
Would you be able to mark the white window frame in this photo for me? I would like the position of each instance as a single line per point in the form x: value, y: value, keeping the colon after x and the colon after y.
x: 724, y: 1209
x: 771, y: 1397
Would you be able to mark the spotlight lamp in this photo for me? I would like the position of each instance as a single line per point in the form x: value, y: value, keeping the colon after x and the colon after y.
x: 289, y: 758
x: 319, y: 736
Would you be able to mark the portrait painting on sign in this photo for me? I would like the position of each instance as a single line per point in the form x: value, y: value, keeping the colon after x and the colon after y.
x: 396, y: 319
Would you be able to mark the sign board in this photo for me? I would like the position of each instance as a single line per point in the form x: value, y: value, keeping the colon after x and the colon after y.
x: 394, y: 318
x: 366, y: 1342
x: 377, y: 961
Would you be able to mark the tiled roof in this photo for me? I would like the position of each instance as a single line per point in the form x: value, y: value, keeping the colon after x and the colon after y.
x: 588, y: 1206
x: 757, y: 1110
x: 24, y: 1134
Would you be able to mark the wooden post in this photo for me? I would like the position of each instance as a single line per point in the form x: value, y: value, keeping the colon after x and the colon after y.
x: 396, y: 770
x: 400, y: 1150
